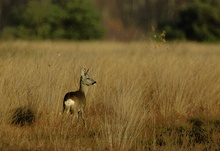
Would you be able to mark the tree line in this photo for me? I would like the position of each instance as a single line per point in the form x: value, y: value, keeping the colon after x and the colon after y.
x: 50, y: 19
x: 197, y: 20
x: 83, y: 19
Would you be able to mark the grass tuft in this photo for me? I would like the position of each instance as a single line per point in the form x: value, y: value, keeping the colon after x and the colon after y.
x: 22, y: 116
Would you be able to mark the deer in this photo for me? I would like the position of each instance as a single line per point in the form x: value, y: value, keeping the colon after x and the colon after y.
x: 74, y: 102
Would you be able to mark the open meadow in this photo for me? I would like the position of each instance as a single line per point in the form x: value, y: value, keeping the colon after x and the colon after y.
x: 149, y: 96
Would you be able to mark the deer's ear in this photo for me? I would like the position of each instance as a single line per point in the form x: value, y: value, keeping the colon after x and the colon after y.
x: 83, y: 72
x: 87, y: 71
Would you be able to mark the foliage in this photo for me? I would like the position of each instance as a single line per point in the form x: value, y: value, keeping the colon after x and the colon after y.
x: 37, y: 20
x: 82, y: 21
x: 172, y: 32
x: 200, y: 22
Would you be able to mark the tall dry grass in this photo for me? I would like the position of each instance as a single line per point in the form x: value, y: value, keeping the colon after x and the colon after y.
x: 148, y: 96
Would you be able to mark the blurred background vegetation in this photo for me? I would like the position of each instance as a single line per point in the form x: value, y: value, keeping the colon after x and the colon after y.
x: 197, y: 20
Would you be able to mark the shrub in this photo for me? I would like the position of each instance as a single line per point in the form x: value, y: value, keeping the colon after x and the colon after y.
x: 172, y: 32
x: 201, y: 21
x: 82, y: 21
x: 71, y: 19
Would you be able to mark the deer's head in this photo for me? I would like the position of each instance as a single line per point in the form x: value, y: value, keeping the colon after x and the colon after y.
x: 86, y: 78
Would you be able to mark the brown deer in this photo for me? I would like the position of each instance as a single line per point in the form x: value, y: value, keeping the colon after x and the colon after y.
x: 75, y: 102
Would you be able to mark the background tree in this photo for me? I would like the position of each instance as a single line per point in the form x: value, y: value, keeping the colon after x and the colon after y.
x: 82, y: 20
x: 69, y: 19
x: 201, y: 21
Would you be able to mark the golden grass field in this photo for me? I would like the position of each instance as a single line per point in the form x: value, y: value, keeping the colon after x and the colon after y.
x: 149, y: 96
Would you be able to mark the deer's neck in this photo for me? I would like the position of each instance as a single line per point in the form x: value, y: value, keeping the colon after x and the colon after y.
x: 83, y: 88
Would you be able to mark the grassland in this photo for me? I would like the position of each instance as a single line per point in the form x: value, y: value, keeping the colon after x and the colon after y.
x: 149, y: 96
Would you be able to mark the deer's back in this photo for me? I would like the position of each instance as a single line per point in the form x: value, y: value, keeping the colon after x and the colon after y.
x: 77, y: 96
